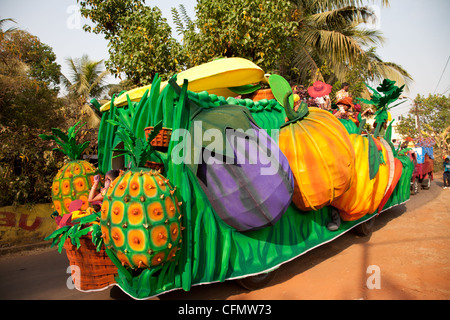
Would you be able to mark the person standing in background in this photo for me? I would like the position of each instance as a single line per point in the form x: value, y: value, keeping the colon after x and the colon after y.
x: 447, y: 172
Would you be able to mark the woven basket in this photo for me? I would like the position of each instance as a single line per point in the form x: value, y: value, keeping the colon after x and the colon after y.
x: 95, y: 270
x: 155, y: 166
x: 162, y: 139
x: 262, y: 94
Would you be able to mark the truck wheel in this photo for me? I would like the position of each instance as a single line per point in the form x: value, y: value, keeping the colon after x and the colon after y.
x: 257, y: 282
x: 365, y: 229
x: 426, y: 183
x: 415, y: 187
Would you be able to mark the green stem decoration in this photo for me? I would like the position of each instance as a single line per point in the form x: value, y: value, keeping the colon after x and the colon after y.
x: 294, y: 116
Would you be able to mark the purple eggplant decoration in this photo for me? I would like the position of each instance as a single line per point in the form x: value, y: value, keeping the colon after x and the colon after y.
x: 253, y: 190
x: 244, y: 174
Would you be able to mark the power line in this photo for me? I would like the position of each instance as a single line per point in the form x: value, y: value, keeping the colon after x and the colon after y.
x: 446, y: 89
x: 442, y: 75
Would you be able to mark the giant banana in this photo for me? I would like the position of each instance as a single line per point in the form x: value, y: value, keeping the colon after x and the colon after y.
x: 215, y: 77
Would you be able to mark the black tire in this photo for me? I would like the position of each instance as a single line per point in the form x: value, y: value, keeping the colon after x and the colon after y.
x: 257, y: 282
x: 415, y: 187
x: 365, y: 229
x: 117, y: 294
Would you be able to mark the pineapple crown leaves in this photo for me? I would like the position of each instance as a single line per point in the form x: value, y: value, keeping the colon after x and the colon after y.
x: 139, y: 149
x: 67, y: 142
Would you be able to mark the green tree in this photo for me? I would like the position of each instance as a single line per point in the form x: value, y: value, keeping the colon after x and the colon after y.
x: 303, y: 40
x: 19, y: 45
x: 29, y: 105
x: 433, y: 120
x: 29, y: 78
x: 330, y: 35
x: 258, y: 30
x: 140, y: 39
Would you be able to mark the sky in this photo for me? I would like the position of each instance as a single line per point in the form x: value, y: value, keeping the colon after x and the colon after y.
x: 416, y: 31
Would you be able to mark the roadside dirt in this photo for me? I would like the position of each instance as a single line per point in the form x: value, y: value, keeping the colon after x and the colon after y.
x: 406, y: 257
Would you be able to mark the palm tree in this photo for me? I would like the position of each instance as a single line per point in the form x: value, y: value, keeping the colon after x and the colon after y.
x: 2, y: 21
x: 86, y: 80
x: 329, y: 34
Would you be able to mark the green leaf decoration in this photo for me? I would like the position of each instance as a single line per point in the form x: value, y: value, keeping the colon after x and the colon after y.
x: 219, y: 118
x: 96, y: 104
x: 385, y: 94
x: 81, y: 228
x: 387, y: 86
x: 374, y: 158
x: 139, y: 149
x: 67, y: 142
x: 280, y: 87
x: 372, y: 102
x: 388, y: 138
x: 245, y: 89
x: 294, y: 116
x: 282, y: 92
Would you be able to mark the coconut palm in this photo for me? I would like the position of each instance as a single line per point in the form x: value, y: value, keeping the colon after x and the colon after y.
x: 330, y: 34
x: 2, y: 22
x: 87, y: 80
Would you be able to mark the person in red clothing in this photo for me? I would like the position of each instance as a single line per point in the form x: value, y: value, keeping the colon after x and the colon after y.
x: 320, y: 91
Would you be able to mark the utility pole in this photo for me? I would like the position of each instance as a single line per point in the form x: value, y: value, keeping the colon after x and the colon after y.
x: 415, y: 111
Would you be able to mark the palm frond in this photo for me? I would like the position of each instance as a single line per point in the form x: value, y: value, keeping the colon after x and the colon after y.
x: 341, y: 17
x: 86, y: 78
x: 2, y: 22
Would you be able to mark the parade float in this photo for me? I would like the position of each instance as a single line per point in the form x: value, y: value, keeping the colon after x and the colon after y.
x: 239, y: 187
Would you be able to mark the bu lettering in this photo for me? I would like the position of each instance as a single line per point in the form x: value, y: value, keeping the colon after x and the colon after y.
x: 8, y: 219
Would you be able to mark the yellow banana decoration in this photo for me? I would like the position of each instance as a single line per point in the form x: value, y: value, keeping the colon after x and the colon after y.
x: 215, y: 77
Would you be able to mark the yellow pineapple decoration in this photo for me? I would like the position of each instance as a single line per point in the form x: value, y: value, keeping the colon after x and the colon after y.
x: 74, y: 180
x: 140, y: 215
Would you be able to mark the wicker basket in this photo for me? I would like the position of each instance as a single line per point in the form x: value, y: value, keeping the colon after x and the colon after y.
x: 155, y: 166
x: 162, y: 139
x: 262, y: 94
x: 95, y: 270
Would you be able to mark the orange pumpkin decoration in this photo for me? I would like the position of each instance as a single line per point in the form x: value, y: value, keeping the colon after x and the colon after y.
x: 365, y: 194
x: 320, y: 155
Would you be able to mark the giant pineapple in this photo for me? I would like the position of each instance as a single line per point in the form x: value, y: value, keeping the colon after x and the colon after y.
x: 140, y: 215
x: 74, y: 180
x: 140, y: 219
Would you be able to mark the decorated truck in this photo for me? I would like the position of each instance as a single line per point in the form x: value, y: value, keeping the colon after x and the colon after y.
x: 214, y: 187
